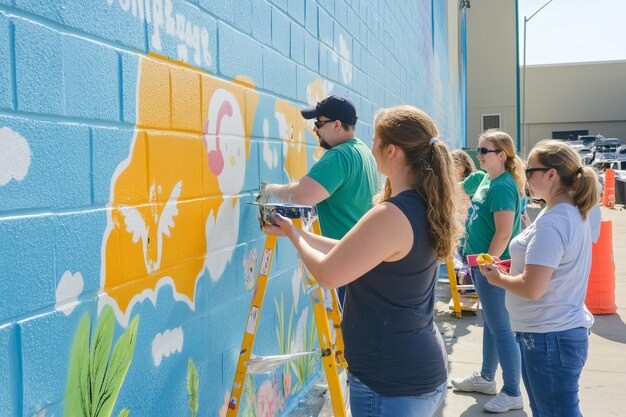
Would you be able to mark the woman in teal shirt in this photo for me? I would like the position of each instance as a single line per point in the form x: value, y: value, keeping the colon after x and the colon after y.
x: 493, y: 220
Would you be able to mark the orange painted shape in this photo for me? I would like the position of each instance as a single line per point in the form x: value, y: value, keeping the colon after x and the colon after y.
x: 186, y: 97
x: 167, y: 197
x: 187, y: 241
x: 153, y: 95
x: 252, y: 102
x: 131, y: 186
x: 113, y: 267
x: 293, y: 136
x: 188, y: 270
x: 174, y: 157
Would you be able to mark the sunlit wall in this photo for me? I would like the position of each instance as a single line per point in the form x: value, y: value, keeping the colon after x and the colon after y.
x: 133, y: 133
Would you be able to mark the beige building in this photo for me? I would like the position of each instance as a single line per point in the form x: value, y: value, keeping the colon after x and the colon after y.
x: 577, y: 97
x: 561, y: 99
x: 492, y: 68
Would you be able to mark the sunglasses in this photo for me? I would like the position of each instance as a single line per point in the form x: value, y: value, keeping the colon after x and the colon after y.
x: 485, y: 151
x: 529, y: 171
x: 320, y: 123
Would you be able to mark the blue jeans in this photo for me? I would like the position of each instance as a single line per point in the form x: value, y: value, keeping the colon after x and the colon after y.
x: 365, y: 402
x: 551, y: 367
x: 499, y: 344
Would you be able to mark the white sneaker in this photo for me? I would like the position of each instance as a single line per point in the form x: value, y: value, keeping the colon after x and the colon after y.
x: 503, y: 403
x: 475, y: 383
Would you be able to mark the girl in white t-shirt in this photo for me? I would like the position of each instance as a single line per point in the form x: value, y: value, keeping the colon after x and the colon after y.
x: 545, y: 291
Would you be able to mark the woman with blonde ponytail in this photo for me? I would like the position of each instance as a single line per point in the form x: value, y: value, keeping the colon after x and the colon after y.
x: 545, y: 291
x: 390, y: 263
x: 493, y: 220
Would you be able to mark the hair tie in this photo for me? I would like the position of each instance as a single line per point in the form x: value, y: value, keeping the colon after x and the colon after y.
x: 432, y: 141
x: 579, y: 171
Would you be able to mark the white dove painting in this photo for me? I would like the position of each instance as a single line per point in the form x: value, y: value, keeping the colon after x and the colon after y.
x: 136, y: 225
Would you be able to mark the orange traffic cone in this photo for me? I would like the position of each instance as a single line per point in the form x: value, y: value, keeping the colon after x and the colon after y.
x: 608, y: 199
x: 600, y: 297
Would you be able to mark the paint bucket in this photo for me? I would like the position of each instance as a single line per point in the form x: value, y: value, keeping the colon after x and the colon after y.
x: 291, y: 211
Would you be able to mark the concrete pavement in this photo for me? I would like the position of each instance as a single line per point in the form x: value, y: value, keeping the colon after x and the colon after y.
x: 603, y: 380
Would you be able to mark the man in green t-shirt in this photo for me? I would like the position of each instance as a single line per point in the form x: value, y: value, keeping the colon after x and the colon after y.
x: 343, y: 182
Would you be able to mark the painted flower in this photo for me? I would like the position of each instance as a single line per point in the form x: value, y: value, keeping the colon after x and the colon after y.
x: 249, y: 263
x: 266, y: 405
x: 224, y: 408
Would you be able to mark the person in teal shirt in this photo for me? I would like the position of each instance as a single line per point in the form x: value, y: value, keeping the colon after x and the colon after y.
x: 493, y: 220
x: 466, y: 173
x: 492, y: 196
x: 474, y: 181
x: 343, y: 182
x: 469, y: 179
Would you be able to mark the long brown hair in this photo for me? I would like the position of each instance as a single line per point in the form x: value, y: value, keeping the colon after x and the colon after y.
x: 462, y: 159
x: 503, y: 142
x: 411, y: 129
x: 580, y: 180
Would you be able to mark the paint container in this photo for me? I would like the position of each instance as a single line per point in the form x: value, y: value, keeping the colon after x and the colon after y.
x: 291, y: 211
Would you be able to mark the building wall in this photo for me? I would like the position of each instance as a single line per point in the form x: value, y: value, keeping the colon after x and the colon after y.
x: 491, y: 65
x: 133, y: 133
x: 583, y: 96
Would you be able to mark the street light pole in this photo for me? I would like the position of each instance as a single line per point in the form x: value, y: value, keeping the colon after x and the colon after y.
x: 524, y: 76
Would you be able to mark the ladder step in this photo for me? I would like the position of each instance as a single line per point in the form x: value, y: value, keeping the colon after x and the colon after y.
x: 267, y: 364
x: 465, y: 287
x: 468, y: 303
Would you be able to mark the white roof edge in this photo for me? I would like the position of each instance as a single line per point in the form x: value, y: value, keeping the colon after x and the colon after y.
x: 564, y: 64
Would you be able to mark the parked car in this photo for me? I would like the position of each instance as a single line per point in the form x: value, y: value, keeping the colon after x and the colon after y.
x: 602, y: 165
x: 586, y: 155
x: 588, y: 140
x: 607, y: 148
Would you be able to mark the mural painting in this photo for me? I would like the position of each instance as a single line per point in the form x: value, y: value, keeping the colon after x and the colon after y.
x: 129, y: 252
x: 188, y: 227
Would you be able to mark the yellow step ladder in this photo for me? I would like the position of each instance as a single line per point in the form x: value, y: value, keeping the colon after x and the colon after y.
x: 460, y: 302
x: 332, y: 356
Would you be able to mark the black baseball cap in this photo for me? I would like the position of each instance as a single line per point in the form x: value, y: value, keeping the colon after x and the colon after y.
x: 335, y: 108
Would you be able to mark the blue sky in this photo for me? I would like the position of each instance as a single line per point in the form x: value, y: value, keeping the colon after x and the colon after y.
x: 573, y: 31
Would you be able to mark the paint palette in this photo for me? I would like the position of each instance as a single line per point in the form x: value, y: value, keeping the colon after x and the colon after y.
x: 291, y: 211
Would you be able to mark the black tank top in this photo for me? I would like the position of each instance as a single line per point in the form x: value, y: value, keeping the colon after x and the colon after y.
x: 392, y: 344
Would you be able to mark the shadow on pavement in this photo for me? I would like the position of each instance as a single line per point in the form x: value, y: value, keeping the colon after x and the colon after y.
x: 451, y: 327
x: 610, y: 327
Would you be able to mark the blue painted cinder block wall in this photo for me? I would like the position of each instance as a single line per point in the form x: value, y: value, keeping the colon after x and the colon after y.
x: 133, y: 133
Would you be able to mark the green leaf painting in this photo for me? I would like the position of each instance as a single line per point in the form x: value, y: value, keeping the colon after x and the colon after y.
x: 292, y: 340
x: 283, y: 335
x: 192, y: 387
x: 304, y: 366
x: 96, y: 374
